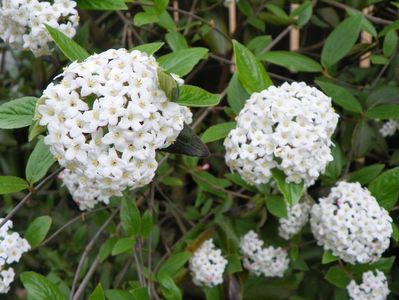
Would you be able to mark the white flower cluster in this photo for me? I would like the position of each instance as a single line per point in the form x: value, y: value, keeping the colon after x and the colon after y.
x: 207, y: 265
x: 351, y: 224
x: 22, y: 23
x: 297, y: 217
x: 106, y: 119
x: 287, y: 127
x: 389, y: 128
x: 269, y: 261
x: 373, y: 287
x: 12, y: 246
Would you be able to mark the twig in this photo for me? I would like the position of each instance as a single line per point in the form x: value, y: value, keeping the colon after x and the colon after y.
x: 87, y: 249
x: 87, y: 278
x: 193, y: 5
x: 384, y: 68
x: 29, y: 195
x: 278, y: 39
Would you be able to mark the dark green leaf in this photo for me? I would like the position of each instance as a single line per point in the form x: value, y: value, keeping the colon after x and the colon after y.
x: 173, y: 264
x: 176, y: 40
x: 12, y: 184
x: 292, y: 192
x: 144, y: 18
x: 292, y: 61
x: 390, y: 43
x: 251, y: 72
x: 39, y: 287
x: 385, y: 188
x: 236, y: 94
x: 188, y: 143
x: 303, y: 12
x: 172, y: 181
x: 39, y: 162
x: 196, y: 97
x: 140, y: 293
x: 217, y: 132
x: 38, y: 230
x: 146, y: 224
x: 149, y: 48
x: 366, y: 174
x: 328, y: 257
x: 341, y: 96
x: 169, y: 85
x: 130, y: 217
x: 181, y: 62
x: 69, y: 47
x: 341, y: 40
x: 384, y: 112
x: 212, y: 293
x: 98, y: 293
x: 337, y: 277
x: 17, y: 113
x: 276, y: 206
x: 160, y: 5
x: 117, y: 295
x: 363, y: 139
x: 395, y: 232
x: 102, y: 4
x: 123, y: 245
x: 234, y: 264
x: 106, y: 248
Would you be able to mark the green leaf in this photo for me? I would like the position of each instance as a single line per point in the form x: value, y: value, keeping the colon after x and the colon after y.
x: 366, y: 25
x: 384, y: 112
x: 72, y: 50
x: 181, y: 62
x: 160, y: 5
x: 334, y: 168
x: 102, y: 4
x: 106, y: 249
x: 341, y: 40
x: 362, y: 135
x: 39, y: 162
x: 40, y: 288
x: 251, y: 72
x: 233, y: 264
x: 170, y: 290
x: 146, y: 224
x: 292, y: 61
x: 211, y: 293
x: 395, y: 232
x: 303, y: 12
x: 169, y: 85
x: 236, y: 94
x: 328, y: 257
x: 337, y: 277
x: 379, y: 59
x: 173, y: 264
x: 149, y: 48
x: 340, y: 96
x: 172, y: 181
x: 12, y: 184
x: 140, y: 293
x: 123, y: 245
x: 117, y: 295
x: 196, y: 97
x: 384, y: 264
x: 176, y: 40
x: 385, y: 188
x: 144, y: 18
x: 38, y: 230
x: 366, y: 174
x: 98, y: 293
x: 188, y: 143
x: 276, y: 206
x: 17, y: 113
x: 390, y: 43
x: 217, y: 132
x: 292, y: 192
x: 35, y: 130
x: 130, y: 217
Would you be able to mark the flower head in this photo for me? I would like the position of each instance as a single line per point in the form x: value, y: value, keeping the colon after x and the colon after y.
x: 297, y: 217
x: 374, y: 286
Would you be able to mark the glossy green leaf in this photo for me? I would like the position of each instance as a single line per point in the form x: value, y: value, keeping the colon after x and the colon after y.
x: 149, y: 48
x: 102, y: 4
x: 173, y: 264
x: 217, y: 132
x: 251, y: 72
x: 385, y: 188
x: 196, y: 97
x: 98, y: 293
x: 160, y: 5
x: 292, y: 61
x: 236, y: 94
x: 12, y: 184
x: 123, y: 245
x: 328, y: 257
x: 366, y: 174
x: 390, y: 43
x: 130, y: 217
x: 40, y: 288
x: 140, y: 293
x: 337, y: 277
x: 144, y: 18
x: 176, y: 40
x: 38, y: 230
x: 277, y: 206
x: 340, y: 96
x: 384, y: 112
x: 341, y: 40
x: 69, y: 47
x: 17, y: 113
x: 39, y: 162
x: 292, y: 192
x: 169, y: 289
x: 169, y: 85
x: 181, y: 62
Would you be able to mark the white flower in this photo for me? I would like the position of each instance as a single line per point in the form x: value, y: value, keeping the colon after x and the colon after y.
x: 22, y: 23
x: 12, y: 246
x: 207, y: 265
x: 297, y: 217
x: 389, y: 128
x: 269, y: 261
x: 351, y: 224
x: 106, y: 118
x: 287, y: 127
x: 373, y: 287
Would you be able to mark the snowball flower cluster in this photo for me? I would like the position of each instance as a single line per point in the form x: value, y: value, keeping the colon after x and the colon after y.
x: 297, y: 217
x: 12, y: 246
x: 287, y: 127
x: 106, y: 119
x: 389, y: 128
x: 22, y: 23
x: 207, y: 265
x: 373, y: 287
x: 351, y: 224
x: 269, y: 261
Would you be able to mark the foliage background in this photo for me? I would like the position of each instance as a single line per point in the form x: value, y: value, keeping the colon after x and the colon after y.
x: 191, y: 198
